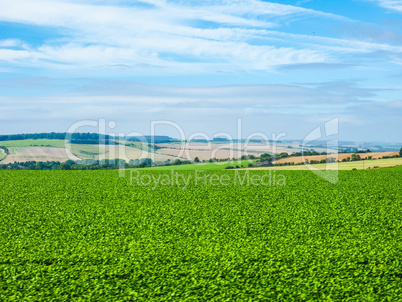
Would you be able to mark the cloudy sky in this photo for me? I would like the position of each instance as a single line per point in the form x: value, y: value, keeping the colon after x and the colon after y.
x: 280, y: 66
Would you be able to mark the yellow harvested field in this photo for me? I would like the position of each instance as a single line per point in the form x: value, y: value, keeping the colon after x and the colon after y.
x: 100, y: 152
x: 203, y: 154
x: 358, y: 165
x: 39, y: 154
x: 79, y: 152
x: 253, y: 147
x: 206, y: 151
x: 340, y: 156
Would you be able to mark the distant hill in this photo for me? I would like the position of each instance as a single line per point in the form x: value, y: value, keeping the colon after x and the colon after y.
x: 157, y: 139
x: 79, y: 138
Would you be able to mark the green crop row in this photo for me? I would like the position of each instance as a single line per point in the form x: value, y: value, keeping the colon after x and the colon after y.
x: 93, y: 236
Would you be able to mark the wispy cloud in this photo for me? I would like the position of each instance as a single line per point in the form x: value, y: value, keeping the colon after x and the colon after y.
x: 295, y: 109
x: 10, y: 43
x: 172, y: 35
x: 188, y: 42
x: 390, y: 4
x: 131, y: 104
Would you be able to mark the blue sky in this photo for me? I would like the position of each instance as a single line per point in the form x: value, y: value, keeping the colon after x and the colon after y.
x: 280, y: 66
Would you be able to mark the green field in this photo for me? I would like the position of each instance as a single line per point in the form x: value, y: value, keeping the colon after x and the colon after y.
x: 90, y: 236
x: 33, y: 142
x: 201, y: 166
x: 358, y: 165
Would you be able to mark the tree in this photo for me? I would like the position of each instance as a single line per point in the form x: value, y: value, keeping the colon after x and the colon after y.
x: 64, y: 166
x: 400, y: 153
x: 197, y: 160
x: 266, y: 159
x: 355, y: 157
x: 176, y: 162
x: 70, y: 162
x: 266, y: 156
x: 146, y: 161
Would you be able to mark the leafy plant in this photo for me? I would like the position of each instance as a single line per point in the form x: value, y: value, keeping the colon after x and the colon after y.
x: 91, y: 236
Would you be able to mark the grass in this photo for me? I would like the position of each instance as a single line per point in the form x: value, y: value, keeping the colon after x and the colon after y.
x: 90, y: 236
x: 33, y: 142
x: 201, y: 166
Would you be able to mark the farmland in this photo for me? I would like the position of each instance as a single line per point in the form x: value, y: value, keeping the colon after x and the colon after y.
x: 34, y: 142
x: 206, y: 151
x: 42, y: 150
x: 2, y: 154
x: 22, y: 154
x: 215, y: 166
x: 340, y: 157
x: 90, y: 236
x: 55, y: 150
x: 358, y: 165
x: 84, y: 151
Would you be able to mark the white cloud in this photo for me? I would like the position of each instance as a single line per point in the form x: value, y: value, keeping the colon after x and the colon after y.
x: 390, y: 4
x: 295, y: 109
x: 10, y: 54
x: 10, y: 43
x: 166, y: 35
x: 138, y: 97
x: 96, y: 37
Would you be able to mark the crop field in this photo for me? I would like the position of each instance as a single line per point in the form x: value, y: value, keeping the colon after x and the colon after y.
x: 205, y: 151
x: 91, y: 236
x: 54, y: 150
x: 340, y: 156
x: 358, y: 165
x: 203, y: 154
x: 33, y: 142
x: 115, y: 151
x: 23, y: 154
x: 202, y: 166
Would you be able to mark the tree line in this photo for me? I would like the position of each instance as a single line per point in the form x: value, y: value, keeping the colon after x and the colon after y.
x: 75, y: 138
x: 87, y: 164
